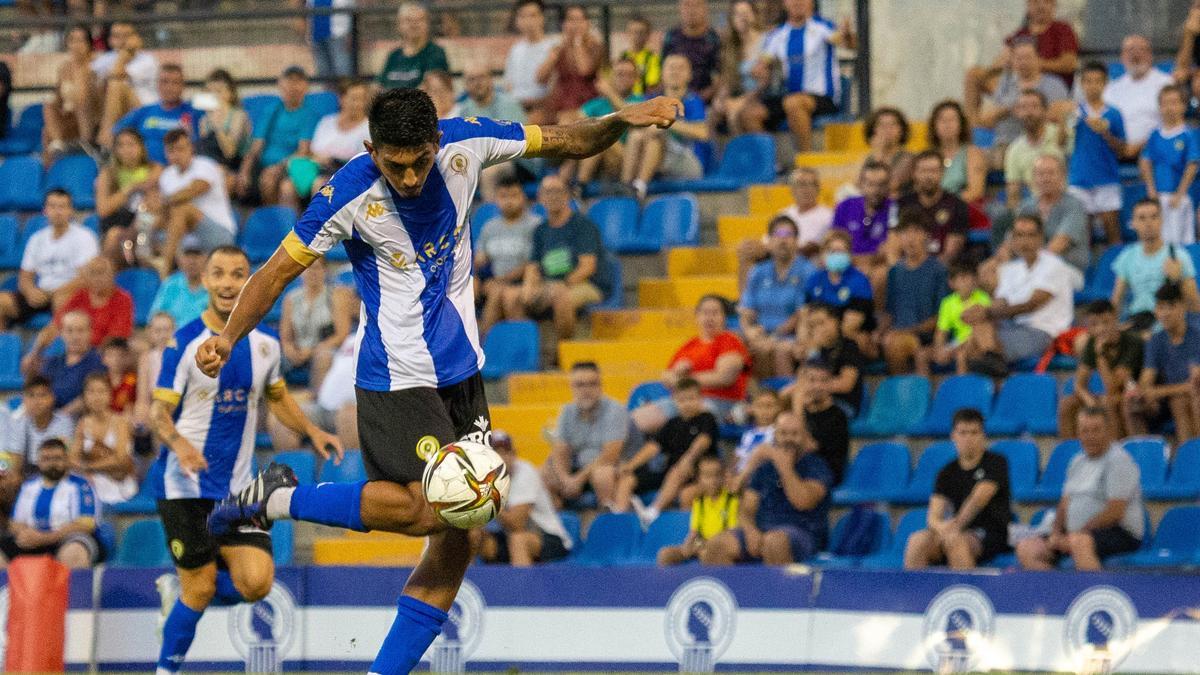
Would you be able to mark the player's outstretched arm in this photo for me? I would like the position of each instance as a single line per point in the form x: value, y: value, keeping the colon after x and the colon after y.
x: 590, y: 136
x: 287, y: 411
x: 259, y: 295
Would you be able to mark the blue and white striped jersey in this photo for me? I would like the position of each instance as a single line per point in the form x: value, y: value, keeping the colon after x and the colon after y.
x: 49, y: 508
x: 219, y: 416
x: 808, y: 59
x: 412, y: 257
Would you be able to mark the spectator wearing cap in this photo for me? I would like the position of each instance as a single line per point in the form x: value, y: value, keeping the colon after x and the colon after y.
x: 79, y: 359
x: 407, y: 64
x: 171, y: 111
x: 1114, y: 354
x: 182, y: 295
x: 588, y: 438
x: 194, y: 200
x: 1167, y: 387
x: 32, y: 424
x: 1145, y: 265
x: 530, y: 530
x: 284, y: 132
x: 109, y: 308
x: 771, y: 300
x: 946, y: 218
x: 915, y: 287
x: 1135, y: 93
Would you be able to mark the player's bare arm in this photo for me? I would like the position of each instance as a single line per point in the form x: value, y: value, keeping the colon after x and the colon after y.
x: 189, y: 457
x: 590, y: 136
x: 284, y: 407
x: 257, y: 297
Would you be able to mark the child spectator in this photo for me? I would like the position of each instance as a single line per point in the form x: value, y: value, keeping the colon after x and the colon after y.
x: 667, y: 462
x: 714, y: 510
x: 670, y: 153
x: 952, y: 341
x: 1099, y: 143
x: 825, y: 341
x: 1116, y: 355
x: 647, y: 61
x: 101, y: 449
x: 764, y: 408
x: 126, y: 187
x: 1168, y: 166
x: 503, y: 249
x: 122, y: 376
x: 1166, y: 388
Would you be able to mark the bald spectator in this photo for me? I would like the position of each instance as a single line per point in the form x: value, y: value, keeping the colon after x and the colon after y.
x: 1039, y: 136
x: 483, y: 98
x: 1168, y: 165
x: 1026, y: 74
x: 697, y: 41
x: 1135, y: 94
x: 1055, y: 44
x: 407, y: 64
x: 67, y: 371
x: 1068, y: 234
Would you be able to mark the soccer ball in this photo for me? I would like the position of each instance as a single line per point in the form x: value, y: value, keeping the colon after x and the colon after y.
x: 466, y: 483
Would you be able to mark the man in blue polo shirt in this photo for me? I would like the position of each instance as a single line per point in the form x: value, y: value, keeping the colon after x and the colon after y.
x: 772, y: 298
x: 1099, y: 141
x: 171, y: 112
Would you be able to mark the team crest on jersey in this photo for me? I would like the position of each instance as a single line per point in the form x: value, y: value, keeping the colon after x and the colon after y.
x: 375, y: 209
x: 327, y: 192
x: 472, y: 120
x: 458, y: 163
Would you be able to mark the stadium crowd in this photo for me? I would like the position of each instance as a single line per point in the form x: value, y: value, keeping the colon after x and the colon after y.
x: 952, y: 259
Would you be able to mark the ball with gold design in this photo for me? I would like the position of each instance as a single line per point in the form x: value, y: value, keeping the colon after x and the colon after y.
x: 466, y: 484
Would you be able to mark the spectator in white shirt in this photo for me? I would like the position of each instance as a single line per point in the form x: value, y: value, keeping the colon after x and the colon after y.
x: 340, y: 136
x: 812, y: 219
x: 51, y: 262
x: 194, y: 199
x: 529, y: 528
x: 1135, y: 94
x: 526, y: 56
x: 129, y: 75
x: 34, y: 422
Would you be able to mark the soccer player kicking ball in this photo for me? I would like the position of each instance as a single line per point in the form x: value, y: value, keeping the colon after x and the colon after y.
x: 208, y: 427
x: 400, y: 210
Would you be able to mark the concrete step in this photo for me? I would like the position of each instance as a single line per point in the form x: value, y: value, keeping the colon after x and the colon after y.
x: 686, y: 292
x: 643, y: 324
x: 554, y: 387
x: 701, y: 261
x: 623, y: 355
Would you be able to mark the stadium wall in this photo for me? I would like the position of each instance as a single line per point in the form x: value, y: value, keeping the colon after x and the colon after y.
x: 619, y: 619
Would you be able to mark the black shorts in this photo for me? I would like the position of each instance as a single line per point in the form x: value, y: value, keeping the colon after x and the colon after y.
x: 1114, y: 540
x: 398, y: 429
x: 552, y: 548
x: 8, y: 546
x: 26, y: 311
x: 991, y: 544
x: 191, y: 544
x: 776, y: 115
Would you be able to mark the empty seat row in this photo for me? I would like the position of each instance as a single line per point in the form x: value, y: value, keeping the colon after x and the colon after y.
x: 23, y: 183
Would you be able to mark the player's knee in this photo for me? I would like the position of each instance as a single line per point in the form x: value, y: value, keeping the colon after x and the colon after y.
x: 254, y: 585
x: 198, y: 591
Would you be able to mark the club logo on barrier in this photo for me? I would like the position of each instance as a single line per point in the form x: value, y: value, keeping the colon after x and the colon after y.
x: 461, y: 633
x: 700, y: 622
x: 959, y: 623
x: 262, y: 632
x: 1099, y: 628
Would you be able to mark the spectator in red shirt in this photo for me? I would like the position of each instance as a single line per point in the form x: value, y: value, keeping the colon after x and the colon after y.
x: 110, y: 309
x: 119, y: 361
x: 1056, y: 42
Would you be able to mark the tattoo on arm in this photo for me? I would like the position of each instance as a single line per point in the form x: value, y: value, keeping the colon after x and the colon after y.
x: 163, y: 425
x: 580, y: 139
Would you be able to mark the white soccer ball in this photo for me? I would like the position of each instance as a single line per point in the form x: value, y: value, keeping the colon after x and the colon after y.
x: 466, y: 484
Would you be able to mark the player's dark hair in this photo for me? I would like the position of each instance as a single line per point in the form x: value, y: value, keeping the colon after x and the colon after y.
x: 57, y: 192
x: 227, y: 249
x: 403, y: 118
x: 1147, y: 201
x: 1169, y: 292
x: 585, y: 365
x: 1094, y: 66
x: 687, y: 384
x: 52, y: 444
x: 1098, y: 307
x: 966, y: 416
x: 174, y: 136
x: 36, y: 382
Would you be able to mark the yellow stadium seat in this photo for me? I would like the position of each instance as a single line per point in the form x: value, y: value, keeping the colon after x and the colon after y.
x: 530, y: 419
x: 733, y: 229
x: 553, y: 388
x: 768, y: 199
x: 618, y: 354
x: 378, y: 549
x: 702, y: 261
x: 685, y: 292
x: 918, y: 135
x: 819, y: 160
x: 845, y: 137
x: 643, y: 324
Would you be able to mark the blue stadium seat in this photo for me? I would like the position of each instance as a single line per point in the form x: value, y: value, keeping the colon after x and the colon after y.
x: 669, y: 529
x: 953, y: 394
x: 283, y: 542
x: 646, y: 392
x: 1027, y: 402
x: 571, y: 524
x: 874, y: 474
x: 614, y: 295
x: 612, y: 539
x: 920, y: 486
x: 142, y: 283
x: 483, y: 213
x: 303, y: 462
x: 10, y: 239
x: 26, y: 136
x: 881, y: 531
x: 1022, y: 459
x: 777, y: 384
x: 264, y: 229
x: 511, y: 347
x: 351, y: 469
x: 1151, y: 457
x: 145, y: 501
x: 1095, y: 384
x: 10, y: 361
x: 77, y: 175
x: 1131, y: 193
x: 617, y: 219
x: 144, y: 544
x: 898, y: 400
x: 893, y: 557
x: 1194, y: 253
x: 748, y: 159
x: 322, y: 103
x: 1183, y: 476
x: 258, y: 105
x: 1100, y: 278
x: 1049, y: 487
x: 1176, y: 542
x: 671, y: 220
x: 20, y: 184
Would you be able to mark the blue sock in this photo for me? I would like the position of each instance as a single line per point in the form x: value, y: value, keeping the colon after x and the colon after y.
x: 415, y: 627
x: 227, y: 593
x: 335, y: 504
x: 177, y: 633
